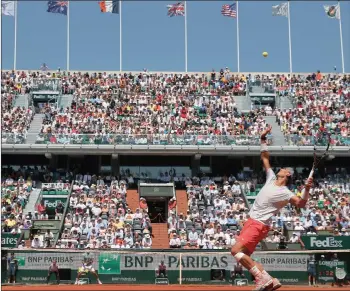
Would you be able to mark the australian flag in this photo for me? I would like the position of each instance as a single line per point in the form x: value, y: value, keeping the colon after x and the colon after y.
x: 60, y: 7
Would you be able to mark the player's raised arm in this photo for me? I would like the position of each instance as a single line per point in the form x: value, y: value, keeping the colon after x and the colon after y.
x: 264, y: 152
x: 301, y: 201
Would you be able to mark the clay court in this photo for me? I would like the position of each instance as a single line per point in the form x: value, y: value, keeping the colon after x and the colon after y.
x: 159, y: 287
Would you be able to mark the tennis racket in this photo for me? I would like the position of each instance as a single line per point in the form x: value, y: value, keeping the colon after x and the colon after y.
x: 318, y: 158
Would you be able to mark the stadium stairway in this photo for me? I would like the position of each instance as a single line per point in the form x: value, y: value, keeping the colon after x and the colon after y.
x: 133, y: 199
x: 243, y: 103
x: 33, y: 198
x: 182, y: 203
x: 21, y: 101
x: 65, y: 101
x: 160, y: 239
x: 278, y: 137
x: 285, y: 103
x: 35, y: 128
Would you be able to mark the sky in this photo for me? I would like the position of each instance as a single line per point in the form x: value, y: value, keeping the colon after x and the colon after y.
x: 152, y: 40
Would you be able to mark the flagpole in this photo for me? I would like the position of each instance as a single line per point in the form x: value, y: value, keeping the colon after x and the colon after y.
x: 15, y: 46
x: 68, y: 12
x: 185, y: 36
x: 341, y: 41
x: 237, y: 13
x: 120, y: 36
x: 290, y: 41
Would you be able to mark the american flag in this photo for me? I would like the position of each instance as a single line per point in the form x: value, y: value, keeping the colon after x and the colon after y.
x: 229, y: 10
x: 177, y: 9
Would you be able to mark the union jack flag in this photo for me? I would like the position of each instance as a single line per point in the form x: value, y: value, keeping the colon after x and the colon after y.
x: 229, y: 10
x: 177, y: 9
x: 60, y: 7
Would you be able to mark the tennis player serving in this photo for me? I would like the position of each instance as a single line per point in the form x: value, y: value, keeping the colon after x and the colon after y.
x: 271, y: 199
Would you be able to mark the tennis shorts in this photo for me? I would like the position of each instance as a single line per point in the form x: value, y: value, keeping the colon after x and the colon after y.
x: 252, y: 233
x: 86, y: 269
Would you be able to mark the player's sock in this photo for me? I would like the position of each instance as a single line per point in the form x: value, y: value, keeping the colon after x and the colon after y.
x: 265, y: 273
x: 255, y: 271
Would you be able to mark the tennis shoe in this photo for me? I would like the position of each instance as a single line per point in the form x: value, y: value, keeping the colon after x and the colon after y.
x: 263, y: 282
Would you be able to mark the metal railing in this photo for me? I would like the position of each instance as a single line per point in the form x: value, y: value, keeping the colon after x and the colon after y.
x: 304, y: 140
x: 148, y: 139
x: 166, y: 139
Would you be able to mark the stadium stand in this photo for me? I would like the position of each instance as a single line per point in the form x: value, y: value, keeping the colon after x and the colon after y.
x: 321, y: 101
x: 162, y: 109
x: 99, y: 217
x: 15, y: 120
x: 215, y: 212
x: 170, y: 108
x: 147, y: 109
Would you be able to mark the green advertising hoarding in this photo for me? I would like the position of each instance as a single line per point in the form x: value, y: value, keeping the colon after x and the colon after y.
x: 139, y: 267
x: 51, y: 201
x: 9, y: 240
x: 324, y: 242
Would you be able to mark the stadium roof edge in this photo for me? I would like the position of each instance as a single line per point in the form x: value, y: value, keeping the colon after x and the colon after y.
x: 175, y: 150
x: 173, y: 72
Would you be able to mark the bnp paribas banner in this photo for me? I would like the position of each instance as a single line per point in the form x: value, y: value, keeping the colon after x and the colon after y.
x: 117, y: 262
x: 323, y: 242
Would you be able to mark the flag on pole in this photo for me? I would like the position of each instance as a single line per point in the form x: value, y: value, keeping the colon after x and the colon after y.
x: 332, y: 11
x: 280, y: 10
x: 229, y: 10
x: 60, y: 7
x: 177, y: 9
x: 8, y: 8
x: 111, y: 6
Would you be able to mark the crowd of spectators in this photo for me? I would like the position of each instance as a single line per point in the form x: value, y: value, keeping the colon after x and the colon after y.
x: 216, y: 213
x: 217, y: 210
x: 321, y: 104
x: 152, y: 109
x: 99, y: 217
x: 14, y: 197
x: 15, y: 121
x: 183, y: 109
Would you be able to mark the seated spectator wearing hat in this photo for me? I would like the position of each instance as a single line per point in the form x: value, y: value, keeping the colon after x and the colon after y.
x: 175, y: 242
x: 294, y: 238
x: 138, y: 214
x: 128, y: 218
x: 147, y: 241
x: 193, y: 236
x: 143, y: 205
x: 36, y: 242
